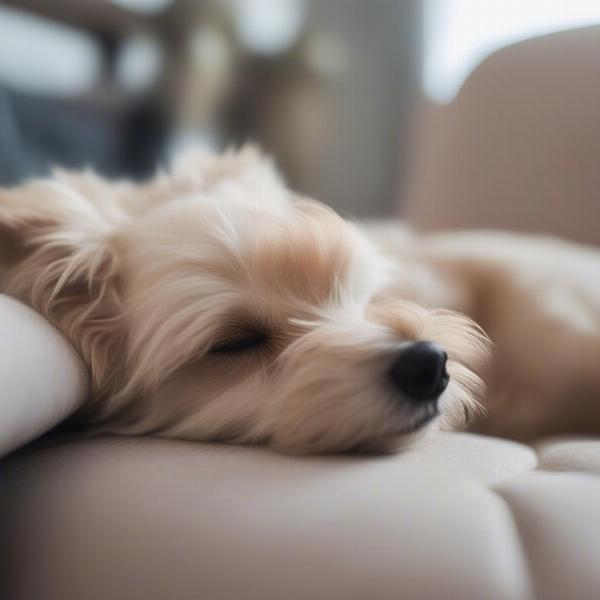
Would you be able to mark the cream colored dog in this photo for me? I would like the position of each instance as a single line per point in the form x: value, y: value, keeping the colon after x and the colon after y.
x: 213, y: 304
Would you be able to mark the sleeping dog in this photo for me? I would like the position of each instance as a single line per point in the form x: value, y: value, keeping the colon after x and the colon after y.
x: 214, y: 304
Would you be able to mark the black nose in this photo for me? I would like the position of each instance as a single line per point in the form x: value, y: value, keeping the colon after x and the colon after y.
x: 420, y: 371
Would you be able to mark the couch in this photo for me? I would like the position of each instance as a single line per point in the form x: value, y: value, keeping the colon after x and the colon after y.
x: 458, y: 516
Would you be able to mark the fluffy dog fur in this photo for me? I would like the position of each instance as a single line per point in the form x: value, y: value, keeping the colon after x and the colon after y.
x: 212, y: 304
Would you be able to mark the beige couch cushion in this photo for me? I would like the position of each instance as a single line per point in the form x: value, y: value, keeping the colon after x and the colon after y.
x: 519, y: 147
x: 461, y: 516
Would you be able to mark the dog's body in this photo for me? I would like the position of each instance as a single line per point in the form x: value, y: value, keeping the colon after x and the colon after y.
x: 212, y: 304
x: 538, y: 298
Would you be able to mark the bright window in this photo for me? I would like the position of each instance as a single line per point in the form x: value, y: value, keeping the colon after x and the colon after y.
x: 459, y: 34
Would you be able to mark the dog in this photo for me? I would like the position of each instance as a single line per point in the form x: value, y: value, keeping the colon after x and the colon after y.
x: 214, y: 304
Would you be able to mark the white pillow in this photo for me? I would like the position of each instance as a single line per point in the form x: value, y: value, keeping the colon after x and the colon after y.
x: 42, y: 378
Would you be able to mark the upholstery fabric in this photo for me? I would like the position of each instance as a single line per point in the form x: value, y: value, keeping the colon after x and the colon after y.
x: 460, y: 516
x: 518, y: 147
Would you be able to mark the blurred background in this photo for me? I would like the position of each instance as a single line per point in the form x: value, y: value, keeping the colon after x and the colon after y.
x: 444, y: 111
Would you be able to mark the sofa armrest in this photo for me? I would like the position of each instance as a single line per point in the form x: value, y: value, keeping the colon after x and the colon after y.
x: 42, y: 379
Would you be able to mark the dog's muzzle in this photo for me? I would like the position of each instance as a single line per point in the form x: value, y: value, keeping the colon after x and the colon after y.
x: 419, y: 372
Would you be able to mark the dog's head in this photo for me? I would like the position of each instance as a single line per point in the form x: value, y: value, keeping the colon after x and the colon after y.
x: 213, y: 305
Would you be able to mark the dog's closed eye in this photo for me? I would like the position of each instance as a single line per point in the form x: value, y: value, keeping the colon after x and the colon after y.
x: 241, y: 340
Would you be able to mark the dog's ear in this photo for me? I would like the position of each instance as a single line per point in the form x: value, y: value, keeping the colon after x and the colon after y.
x: 244, y: 174
x: 43, y: 206
x: 58, y: 255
